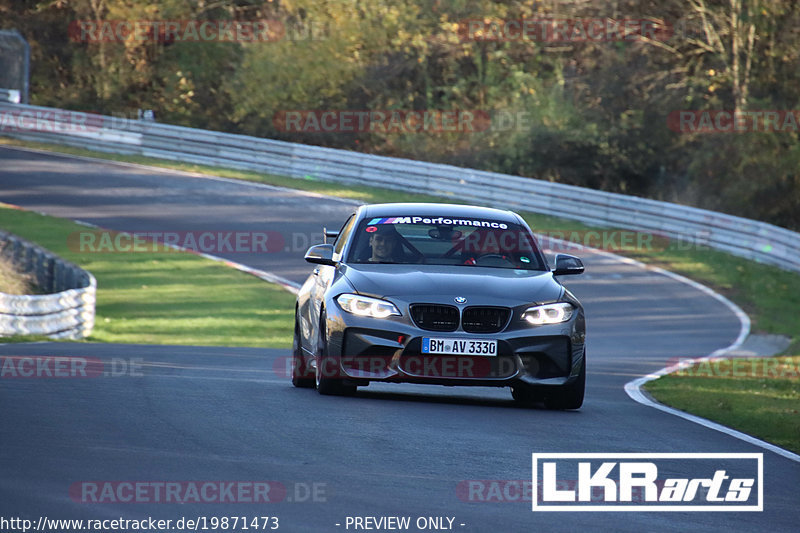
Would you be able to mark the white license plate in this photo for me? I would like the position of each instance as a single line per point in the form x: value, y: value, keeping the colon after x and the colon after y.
x: 459, y: 346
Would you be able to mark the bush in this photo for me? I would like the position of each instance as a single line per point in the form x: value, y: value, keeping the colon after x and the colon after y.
x: 12, y: 280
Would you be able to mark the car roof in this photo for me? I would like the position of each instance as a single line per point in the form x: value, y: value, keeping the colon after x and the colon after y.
x: 436, y: 209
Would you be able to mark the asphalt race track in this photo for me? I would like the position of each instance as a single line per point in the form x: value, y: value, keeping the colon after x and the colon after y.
x: 230, y: 414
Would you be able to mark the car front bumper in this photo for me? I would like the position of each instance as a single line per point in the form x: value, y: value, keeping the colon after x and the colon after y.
x: 365, y: 349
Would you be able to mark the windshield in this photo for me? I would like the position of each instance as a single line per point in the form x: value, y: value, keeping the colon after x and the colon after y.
x: 440, y: 240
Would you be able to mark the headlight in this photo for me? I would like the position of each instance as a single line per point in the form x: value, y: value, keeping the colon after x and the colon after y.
x: 549, y: 313
x: 366, y: 306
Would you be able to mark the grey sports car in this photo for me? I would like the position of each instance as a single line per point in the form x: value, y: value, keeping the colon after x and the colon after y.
x: 440, y: 294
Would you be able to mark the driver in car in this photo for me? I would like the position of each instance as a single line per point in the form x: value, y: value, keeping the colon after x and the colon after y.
x: 385, y: 244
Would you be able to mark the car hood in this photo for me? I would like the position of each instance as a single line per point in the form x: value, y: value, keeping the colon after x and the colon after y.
x: 434, y: 283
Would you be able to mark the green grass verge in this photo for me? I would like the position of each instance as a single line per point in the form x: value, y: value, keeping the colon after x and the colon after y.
x: 166, y: 297
x: 769, y: 295
x: 757, y: 396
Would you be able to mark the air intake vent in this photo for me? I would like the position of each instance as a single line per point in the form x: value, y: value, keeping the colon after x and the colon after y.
x: 435, y: 317
x: 485, y: 319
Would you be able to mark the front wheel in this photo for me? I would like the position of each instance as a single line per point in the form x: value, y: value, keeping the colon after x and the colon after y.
x: 524, y: 394
x: 569, y: 396
x: 301, y: 374
x: 329, y: 382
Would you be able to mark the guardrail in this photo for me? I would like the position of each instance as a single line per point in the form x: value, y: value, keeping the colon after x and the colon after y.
x: 65, y: 312
x: 739, y: 236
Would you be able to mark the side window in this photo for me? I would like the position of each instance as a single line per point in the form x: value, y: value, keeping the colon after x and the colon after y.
x: 344, y: 234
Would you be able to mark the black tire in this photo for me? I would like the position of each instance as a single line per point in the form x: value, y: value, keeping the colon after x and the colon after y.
x: 327, y: 385
x: 301, y: 374
x: 569, y: 396
x: 524, y: 394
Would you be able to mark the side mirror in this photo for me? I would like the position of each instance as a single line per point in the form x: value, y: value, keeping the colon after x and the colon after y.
x: 567, y: 265
x: 321, y: 254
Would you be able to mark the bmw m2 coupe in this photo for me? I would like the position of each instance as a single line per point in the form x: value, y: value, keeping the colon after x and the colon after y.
x: 440, y: 294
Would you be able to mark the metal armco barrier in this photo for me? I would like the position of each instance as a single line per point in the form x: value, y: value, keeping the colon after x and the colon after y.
x: 65, y: 312
x: 754, y: 240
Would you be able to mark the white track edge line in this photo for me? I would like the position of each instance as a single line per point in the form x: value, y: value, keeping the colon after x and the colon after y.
x: 633, y: 387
